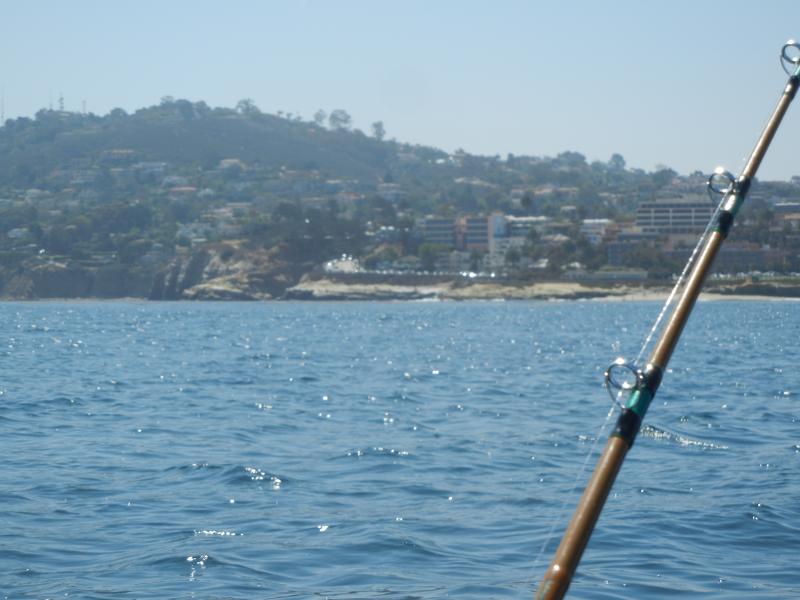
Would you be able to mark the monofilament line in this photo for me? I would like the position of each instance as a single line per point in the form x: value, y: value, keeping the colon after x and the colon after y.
x: 670, y: 299
x: 560, y: 516
x: 679, y: 283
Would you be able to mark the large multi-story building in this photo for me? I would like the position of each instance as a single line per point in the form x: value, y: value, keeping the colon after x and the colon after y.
x: 687, y: 215
x: 464, y: 233
x: 439, y: 230
x: 474, y: 233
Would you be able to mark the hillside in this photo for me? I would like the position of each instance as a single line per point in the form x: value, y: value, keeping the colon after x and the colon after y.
x: 124, y: 204
x: 188, y: 134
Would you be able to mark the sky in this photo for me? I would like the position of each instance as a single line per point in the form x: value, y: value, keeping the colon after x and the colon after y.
x: 684, y: 84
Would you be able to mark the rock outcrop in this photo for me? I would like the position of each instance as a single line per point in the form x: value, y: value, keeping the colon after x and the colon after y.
x: 418, y: 288
x: 68, y: 279
x: 239, y: 271
x: 227, y: 271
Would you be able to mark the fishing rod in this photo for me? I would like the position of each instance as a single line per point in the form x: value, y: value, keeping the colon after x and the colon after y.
x: 642, y: 384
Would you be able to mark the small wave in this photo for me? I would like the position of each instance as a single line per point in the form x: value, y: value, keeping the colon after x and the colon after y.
x: 218, y: 533
x: 658, y: 434
x: 376, y: 451
x: 256, y: 474
x: 238, y: 474
x: 261, y: 356
x: 199, y: 559
x: 198, y: 466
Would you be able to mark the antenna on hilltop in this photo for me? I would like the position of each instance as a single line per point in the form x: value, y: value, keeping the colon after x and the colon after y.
x: 61, y: 101
x: 83, y: 106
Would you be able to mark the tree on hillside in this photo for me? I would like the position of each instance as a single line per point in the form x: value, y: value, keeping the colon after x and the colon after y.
x: 319, y: 117
x: 571, y: 159
x: 663, y: 176
x: 378, y: 131
x: 201, y: 109
x: 339, y: 119
x: 185, y: 109
x: 616, y: 162
x: 247, y: 107
x: 513, y: 256
x: 527, y: 200
x: 429, y: 254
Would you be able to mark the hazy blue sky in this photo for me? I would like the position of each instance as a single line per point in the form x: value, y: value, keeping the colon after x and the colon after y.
x: 687, y: 84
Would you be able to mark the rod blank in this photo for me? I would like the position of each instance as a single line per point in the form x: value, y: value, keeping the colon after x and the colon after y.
x: 559, y: 575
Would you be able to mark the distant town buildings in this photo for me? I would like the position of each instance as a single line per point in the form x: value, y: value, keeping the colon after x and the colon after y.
x: 595, y: 230
x: 687, y: 215
x: 532, y: 221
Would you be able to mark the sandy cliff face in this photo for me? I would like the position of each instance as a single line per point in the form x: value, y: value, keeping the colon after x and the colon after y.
x: 236, y: 271
x: 228, y: 271
x: 331, y: 288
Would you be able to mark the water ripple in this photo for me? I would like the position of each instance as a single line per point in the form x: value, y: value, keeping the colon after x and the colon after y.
x: 417, y: 450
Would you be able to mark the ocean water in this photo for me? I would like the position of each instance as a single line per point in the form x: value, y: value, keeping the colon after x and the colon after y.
x: 400, y: 450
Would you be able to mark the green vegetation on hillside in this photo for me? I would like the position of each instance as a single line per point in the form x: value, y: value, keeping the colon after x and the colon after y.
x: 137, y: 190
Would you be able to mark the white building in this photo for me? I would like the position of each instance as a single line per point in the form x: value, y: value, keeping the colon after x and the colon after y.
x: 595, y: 229
x: 670, y: 216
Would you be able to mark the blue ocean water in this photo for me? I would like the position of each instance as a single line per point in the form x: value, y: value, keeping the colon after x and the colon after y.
x: 364, y: 450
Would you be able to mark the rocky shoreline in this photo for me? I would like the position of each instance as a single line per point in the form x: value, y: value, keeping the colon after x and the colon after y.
x: 236, y: 272
x: 334, y: 290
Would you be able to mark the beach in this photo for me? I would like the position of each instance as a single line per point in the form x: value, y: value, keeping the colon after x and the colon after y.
x: 326, y: 288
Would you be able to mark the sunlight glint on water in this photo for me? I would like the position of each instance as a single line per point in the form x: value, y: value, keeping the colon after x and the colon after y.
x: 362, y: 450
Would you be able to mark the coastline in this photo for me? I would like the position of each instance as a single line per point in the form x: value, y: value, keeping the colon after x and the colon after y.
x: 343, y: 289
x: 328, y: 289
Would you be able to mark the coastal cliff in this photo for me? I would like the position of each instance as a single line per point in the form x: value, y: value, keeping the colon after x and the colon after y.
x: 227, y: 271
x: 69, y: 279
x: 240, y: 271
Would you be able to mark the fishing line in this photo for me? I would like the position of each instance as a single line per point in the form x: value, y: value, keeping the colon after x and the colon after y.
x: 618, y: 388
x: 643, y: 384
x: 560, y: 516
x: 686, y: 269
x: 713, y: 188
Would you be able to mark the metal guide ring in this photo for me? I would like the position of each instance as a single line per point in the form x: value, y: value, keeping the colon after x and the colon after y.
x: 790, y: 58
x: 720, y: 182
x: 619, y: 368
